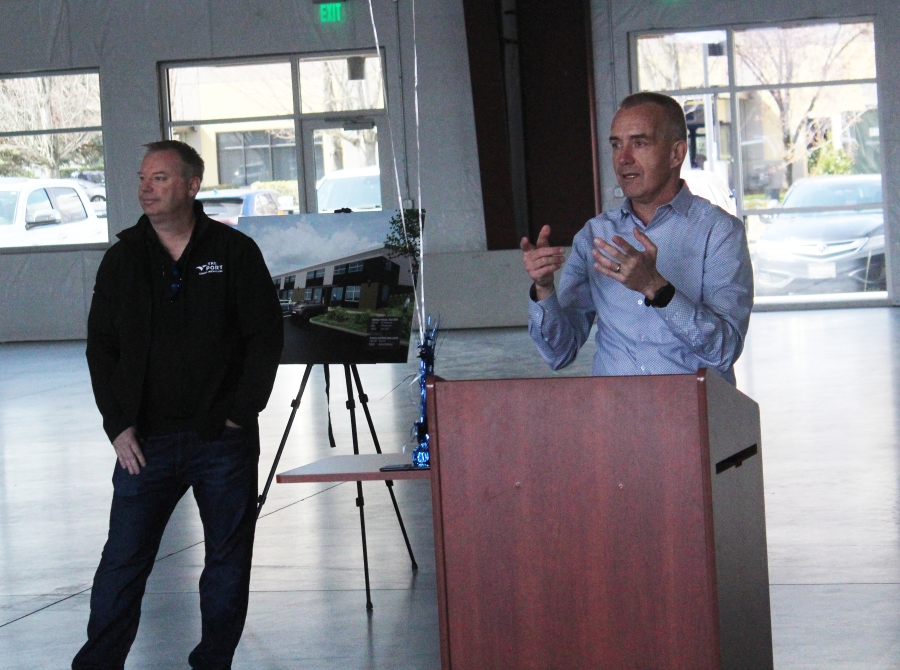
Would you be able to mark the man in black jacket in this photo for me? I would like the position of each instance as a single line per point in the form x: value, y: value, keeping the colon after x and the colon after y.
x: 184, y: 339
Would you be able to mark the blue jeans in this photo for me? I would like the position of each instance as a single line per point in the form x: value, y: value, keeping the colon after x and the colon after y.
x: 223, y: 474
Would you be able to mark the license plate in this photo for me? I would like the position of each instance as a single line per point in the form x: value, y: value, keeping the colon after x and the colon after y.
x: 822, y: 271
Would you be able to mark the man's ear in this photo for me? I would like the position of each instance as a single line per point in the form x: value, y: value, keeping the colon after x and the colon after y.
x: 679, y: 152
x: 194, y: 186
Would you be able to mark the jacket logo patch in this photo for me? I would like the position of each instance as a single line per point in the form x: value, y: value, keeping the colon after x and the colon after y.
x: 209, y: 268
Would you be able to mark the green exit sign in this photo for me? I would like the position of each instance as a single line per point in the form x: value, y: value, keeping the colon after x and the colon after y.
x: 330, y: 12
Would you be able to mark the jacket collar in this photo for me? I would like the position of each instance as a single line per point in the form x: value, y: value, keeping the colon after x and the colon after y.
x: 139, y: 231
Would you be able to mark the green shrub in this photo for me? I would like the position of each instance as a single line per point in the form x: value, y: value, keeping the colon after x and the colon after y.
x: 825, y: 159
x: 338, y: 315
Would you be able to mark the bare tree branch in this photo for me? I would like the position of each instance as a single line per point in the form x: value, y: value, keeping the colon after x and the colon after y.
x: 47, y: 103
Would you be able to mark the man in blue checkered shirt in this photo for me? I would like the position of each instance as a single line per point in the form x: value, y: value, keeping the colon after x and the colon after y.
x: 666, y: 275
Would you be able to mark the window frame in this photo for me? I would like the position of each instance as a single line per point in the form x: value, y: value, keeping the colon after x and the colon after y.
x: 731, y: 89
x: 82, y: 246
x: 303, y: 147
x: 355, y: 290
x: 876, y: 298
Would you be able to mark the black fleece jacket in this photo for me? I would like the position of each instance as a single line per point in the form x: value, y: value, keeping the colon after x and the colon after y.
x: 232, y: 315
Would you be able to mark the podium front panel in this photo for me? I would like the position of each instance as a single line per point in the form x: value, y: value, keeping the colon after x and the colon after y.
x: 573, y: 524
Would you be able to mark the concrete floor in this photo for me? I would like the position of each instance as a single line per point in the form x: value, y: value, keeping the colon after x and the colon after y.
x: 827, y: 383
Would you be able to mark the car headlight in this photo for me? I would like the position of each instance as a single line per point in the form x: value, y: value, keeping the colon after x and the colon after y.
x: 874, y: 243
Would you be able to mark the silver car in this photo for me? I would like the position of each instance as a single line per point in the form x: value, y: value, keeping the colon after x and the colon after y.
x: 824, y: 252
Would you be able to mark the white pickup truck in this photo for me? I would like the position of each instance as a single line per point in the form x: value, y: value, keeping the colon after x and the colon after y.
x: 45, y: 212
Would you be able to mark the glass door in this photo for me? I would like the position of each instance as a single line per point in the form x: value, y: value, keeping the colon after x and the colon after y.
x: 344, y: 157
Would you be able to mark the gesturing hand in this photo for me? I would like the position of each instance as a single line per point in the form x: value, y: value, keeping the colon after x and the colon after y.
x: 541, y: 261
x: 630, y: 267
x: 129, y: 451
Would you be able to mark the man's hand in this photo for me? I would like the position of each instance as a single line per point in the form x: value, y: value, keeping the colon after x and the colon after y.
x: 541, y: 261
x: 630, y: 267
x: 128, y: 451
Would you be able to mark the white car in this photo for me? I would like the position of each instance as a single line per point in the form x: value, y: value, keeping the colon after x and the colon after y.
x: 96, y: 192
x: 712, y: 187
x: 229, y: 204
x: 356, y: 189
x: 44, y: 212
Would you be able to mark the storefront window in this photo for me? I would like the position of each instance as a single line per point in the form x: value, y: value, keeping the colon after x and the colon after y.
x: 792, y: 144
x: 52, y: 179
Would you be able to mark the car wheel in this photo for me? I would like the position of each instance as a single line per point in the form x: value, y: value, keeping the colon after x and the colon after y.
x: 98, y: 198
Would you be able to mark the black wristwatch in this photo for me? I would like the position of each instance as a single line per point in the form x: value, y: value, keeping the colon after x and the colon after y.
x: 662, y: 297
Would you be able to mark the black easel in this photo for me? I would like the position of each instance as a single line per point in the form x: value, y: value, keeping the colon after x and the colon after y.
x: 360, y: 501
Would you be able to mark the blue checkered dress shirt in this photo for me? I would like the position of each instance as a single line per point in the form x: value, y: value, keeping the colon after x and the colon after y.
x: 702, y: 252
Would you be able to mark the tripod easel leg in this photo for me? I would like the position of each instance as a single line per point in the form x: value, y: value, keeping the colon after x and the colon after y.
x: 360, y: 500
x: 295, y: 403
x: 363, y: 400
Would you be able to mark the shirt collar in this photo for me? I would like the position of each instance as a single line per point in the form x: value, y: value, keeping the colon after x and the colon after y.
x: 681, y: 203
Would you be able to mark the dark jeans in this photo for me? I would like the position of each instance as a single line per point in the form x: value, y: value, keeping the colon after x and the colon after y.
x: 223, y: 474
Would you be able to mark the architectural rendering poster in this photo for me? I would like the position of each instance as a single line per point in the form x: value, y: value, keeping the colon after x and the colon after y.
x: 345, y: 297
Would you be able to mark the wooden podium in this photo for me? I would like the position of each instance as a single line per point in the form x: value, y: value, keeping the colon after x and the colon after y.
x: 585, y: 523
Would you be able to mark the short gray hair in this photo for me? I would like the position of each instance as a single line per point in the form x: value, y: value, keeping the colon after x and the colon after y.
x: 190, y: 159
x: 676, y: 126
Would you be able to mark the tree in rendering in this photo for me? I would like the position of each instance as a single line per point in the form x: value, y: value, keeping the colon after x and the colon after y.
x: 406, y: 243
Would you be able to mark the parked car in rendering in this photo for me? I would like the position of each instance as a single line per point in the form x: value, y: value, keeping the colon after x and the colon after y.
x: 356, y: 189
x: 285, y: 306
x: 226, y: 205
x: 304, y: 311
x: 824, y: 252
x: 43, y: 212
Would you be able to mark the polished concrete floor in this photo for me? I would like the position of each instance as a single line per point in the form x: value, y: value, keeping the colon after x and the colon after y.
x: 828, y: 383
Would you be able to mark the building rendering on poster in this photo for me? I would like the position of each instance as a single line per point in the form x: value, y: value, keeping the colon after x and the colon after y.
x: 345, y: 296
